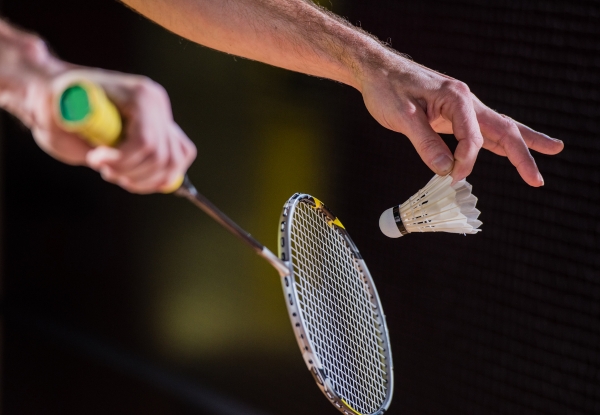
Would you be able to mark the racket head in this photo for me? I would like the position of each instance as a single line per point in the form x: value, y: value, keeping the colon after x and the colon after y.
x: 334, y: 309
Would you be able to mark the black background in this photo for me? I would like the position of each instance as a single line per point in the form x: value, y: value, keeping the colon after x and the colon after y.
x: 506, y: 321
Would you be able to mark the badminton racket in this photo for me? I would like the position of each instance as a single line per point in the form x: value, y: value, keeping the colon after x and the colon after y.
x: 331, y: 299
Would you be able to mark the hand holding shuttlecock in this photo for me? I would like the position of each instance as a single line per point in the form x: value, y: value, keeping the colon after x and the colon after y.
x: 438, y: 207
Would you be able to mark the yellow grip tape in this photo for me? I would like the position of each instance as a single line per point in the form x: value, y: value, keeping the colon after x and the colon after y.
x: 84, y: 109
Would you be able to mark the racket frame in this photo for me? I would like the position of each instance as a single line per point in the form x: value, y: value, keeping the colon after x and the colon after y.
x: 101, y: 136
x: 311, y: 359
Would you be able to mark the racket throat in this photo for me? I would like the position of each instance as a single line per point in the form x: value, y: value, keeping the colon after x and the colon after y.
x: 277, y: 263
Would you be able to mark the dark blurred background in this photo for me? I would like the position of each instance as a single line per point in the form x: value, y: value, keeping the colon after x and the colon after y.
x: 117, y: 303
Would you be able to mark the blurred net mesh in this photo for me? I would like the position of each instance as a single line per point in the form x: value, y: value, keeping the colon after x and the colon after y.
x: 506, y: 321
x: 336, y: 307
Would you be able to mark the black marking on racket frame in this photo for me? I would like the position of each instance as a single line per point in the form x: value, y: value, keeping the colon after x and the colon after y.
x: 319, y: 362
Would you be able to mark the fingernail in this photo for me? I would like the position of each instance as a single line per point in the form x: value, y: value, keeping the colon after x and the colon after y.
x: 541, y: 179
x: 552, y: 138
x: 443, y: 164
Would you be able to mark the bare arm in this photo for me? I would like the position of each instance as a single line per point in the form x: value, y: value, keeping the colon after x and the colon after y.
x: 295, y: 35
x: 402, y: 95
x: 154, y: 151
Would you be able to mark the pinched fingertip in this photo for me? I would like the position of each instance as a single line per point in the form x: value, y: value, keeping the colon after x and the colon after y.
x: 460, y: 172
x: 442, y: 164
x: 465, y: 157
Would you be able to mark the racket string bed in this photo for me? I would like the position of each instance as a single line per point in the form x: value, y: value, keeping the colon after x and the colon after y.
x: 335, y: 303
x: 332, y: 302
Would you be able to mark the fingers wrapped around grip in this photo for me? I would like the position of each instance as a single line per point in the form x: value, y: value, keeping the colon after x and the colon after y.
x: 154, y: 151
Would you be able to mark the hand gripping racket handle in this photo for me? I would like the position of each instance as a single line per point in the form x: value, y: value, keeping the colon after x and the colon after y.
x: 83, y: 108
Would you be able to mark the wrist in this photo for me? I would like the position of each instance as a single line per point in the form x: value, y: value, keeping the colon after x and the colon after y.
x: 362, y: 57
x: 376, y: 61
x: 26, y: 70
x: 332, y: 48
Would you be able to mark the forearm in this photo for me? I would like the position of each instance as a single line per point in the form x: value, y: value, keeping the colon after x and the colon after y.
x: 402, y: 95
x: 292, y: 34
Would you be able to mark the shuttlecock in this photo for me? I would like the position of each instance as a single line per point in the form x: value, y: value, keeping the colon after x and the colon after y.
x: 438, y: 207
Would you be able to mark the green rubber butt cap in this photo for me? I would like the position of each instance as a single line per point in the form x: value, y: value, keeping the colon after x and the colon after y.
x: 74, y: 104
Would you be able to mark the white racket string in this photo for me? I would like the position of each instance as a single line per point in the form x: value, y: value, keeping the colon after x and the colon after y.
x: 335, y: 304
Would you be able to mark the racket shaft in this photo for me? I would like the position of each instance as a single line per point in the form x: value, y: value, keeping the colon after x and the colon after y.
x: 103, y: 126
x: 188, y: 191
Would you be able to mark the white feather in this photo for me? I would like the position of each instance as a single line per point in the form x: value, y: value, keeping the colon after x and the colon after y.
x: 438, y: 207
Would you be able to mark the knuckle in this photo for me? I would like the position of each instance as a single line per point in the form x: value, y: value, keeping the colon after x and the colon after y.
x: 428, y: 146
x: 143, y: 86
x: 460, y: 88
x: 145, y: 92
x: 456, y: 90
x: 507, y: 129
x: 146, y: 87
x: 477, y: 140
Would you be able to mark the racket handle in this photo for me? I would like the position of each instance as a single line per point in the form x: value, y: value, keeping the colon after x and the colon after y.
x: 84, y: 109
